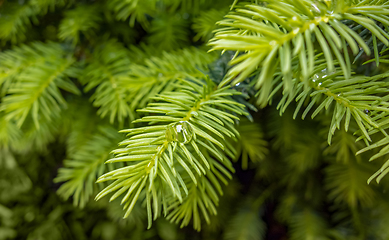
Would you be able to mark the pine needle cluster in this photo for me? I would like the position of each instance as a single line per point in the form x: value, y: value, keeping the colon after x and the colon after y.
x: 264, y: 119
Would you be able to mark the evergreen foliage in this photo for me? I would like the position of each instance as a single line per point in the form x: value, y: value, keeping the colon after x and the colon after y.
x: 83, y: 19
x: 177, y: 162
x: 264, y: 119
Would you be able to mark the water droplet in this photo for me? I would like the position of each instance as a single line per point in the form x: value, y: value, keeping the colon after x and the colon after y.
x: 149, y: 166
x: 367, y: 112
x: 181, y: 132
x: 317, y: 78
x: 320, y: 7
x: 273, y: 43
x: 194, y: 113
x: 295, y: 21
x: 318, y: 20
x: 237, y: 84
x: 315, y: 9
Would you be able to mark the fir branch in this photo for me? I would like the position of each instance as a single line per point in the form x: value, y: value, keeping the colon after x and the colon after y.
x: 78, y: 131
x: 178, y: 147
x: 251, y: 144
x: 15, y: 61
x: 160, y: 74
x: 354, y: 97
x: 305, y: 155
x: 381, y: 118
x: 107, y: 67
x: 19, y: 17
x: 37, y: 139
x: 272, y: 34
x: 124, y: 85
x: 282, y: 129
x: 35, y: 89
x: 16, y: 19
x: 205, y: 24
x: 347, y: 184
x: 191, y: 6
x: 82, y: 167
x: 381, y: 144
x: 135, y: 10
x: 344, y: 145
x: 202, y: 198
x: 168, y: 32
x: 359, y: 98
x: 245, y: 225
x: 308, y: 225
x: 84, y: 19
x: 88, y: 143
x: 49, y: 5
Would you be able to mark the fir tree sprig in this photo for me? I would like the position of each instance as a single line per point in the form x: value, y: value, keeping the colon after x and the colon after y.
x: 125, y: 80
x: 205, y: 24
x: 33, y: 76
x: 134, y: 10
x: 177, y: 162
x: 16, y: 19
x: 272, y: 33
x: 83, y: 19
x: 84, y: 165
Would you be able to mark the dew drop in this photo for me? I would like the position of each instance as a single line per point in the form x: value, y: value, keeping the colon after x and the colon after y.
x: 273, y: 43
x: 367, y: 112
x: 318, y: 20
x: 194, y: 113
x: 181, y: 132
x: 315, y: 9
x: 317, y: 78
x: 295, y: 21
x: 296, y: 31
x: 319, y: 7
x: 149, y: 166
x: 237, y: 84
